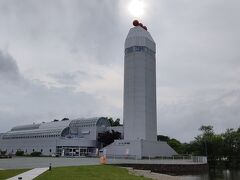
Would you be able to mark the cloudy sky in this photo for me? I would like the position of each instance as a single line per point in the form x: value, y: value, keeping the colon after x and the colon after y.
x: 64, y: 58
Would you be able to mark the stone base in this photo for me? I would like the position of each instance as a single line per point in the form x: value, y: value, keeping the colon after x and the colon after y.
x: 138, y: 149
x: 174, y: 169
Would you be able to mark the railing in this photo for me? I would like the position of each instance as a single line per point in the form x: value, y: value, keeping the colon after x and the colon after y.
x: 202, y: 159
x: 112, y: 156
x: 172, y: 159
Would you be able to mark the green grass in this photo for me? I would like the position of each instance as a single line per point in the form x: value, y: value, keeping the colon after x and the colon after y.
x: 98, y: 172
x: 4, y: 174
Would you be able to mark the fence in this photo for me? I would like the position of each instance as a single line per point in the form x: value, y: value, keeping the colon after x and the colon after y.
x: 163, y: 159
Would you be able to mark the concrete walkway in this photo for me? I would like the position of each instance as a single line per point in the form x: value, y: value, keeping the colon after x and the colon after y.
x: 37, y: 162
x: 31, y: 174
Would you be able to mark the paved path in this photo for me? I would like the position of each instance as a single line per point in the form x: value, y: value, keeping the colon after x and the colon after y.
x: 38, y: 162
x: 31, y: 174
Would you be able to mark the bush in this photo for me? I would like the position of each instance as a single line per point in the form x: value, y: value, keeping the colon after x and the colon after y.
x: 3, y: 152
x: 19, y: 153
x: 36, y: 154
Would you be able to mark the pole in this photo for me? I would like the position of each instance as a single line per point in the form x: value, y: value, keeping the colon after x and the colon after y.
x: 206, y: 148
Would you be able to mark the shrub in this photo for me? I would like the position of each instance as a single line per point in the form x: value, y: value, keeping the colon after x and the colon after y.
x: 36, y: 154
x: 19, y: 153
x: 3, y: 152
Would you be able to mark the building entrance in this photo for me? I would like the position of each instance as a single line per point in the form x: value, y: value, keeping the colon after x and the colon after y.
x: 73, y: 151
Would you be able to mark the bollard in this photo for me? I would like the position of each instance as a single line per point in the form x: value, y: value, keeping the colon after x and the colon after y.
x: 50, y: 167
x: 103, y: 160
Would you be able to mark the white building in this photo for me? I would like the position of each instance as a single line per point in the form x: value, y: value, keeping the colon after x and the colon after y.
x: 139, y: 116
x: 76, y: 137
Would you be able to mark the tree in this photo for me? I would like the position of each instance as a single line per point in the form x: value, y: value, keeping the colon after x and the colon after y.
x: 222, y: 150
x: 175, y: 144
x: 65, y: 119
x: 2, y: 153
x: 108, y: 137
x: 163, y: 138
x: 114, y: 123
x: 207, y: 130
x: 231, y: 148
x: 19, y: 153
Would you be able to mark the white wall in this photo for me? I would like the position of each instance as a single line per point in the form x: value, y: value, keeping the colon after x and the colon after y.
x: 27, y: 145
x: 124, y: 148
x: 140, y: 121
x: 139, y: 149
x: 157, y: 149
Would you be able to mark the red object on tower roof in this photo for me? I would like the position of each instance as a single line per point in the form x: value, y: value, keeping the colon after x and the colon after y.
x: 135, y: 23
x: 145, y: 27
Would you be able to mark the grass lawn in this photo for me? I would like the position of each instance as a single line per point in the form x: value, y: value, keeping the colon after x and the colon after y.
x: 98, y: 172
x: 4, y: 174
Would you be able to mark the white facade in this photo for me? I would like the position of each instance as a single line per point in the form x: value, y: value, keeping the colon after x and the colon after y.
x: 139, y: 111
x: 139, y: 114
x: 137, y: 149
x: 69, y: 137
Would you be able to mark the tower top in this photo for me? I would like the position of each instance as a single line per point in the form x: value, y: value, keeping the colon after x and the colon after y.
x: 136, y: 23
x: 138, y: 36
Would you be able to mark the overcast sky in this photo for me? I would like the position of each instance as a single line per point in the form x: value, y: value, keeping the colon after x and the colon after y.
x: 64, y: 58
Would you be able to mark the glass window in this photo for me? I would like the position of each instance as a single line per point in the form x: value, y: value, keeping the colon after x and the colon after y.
x: 139, y: 49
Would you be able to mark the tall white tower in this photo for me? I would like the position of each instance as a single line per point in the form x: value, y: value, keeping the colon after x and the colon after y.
x: 139, y: 112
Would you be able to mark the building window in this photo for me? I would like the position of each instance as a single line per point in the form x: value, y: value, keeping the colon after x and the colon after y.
x: 50, y: 150
x: 139, y: 49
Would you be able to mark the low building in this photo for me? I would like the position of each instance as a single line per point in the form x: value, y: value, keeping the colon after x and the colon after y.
x: 76, y: 137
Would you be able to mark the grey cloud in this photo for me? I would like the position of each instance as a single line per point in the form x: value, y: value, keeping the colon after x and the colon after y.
x: 8, y: 68
x: 88, y: 74
x: 34, y: 102
x: 65, y: 78
x: 74, y: 78
x: 183, y: 119
x: 84, y: 27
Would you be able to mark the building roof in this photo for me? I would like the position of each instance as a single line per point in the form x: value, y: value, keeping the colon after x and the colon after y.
x: 90, y: 121
x: 138, y: 31
x: 137, y: 36
x: 55, y: 127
